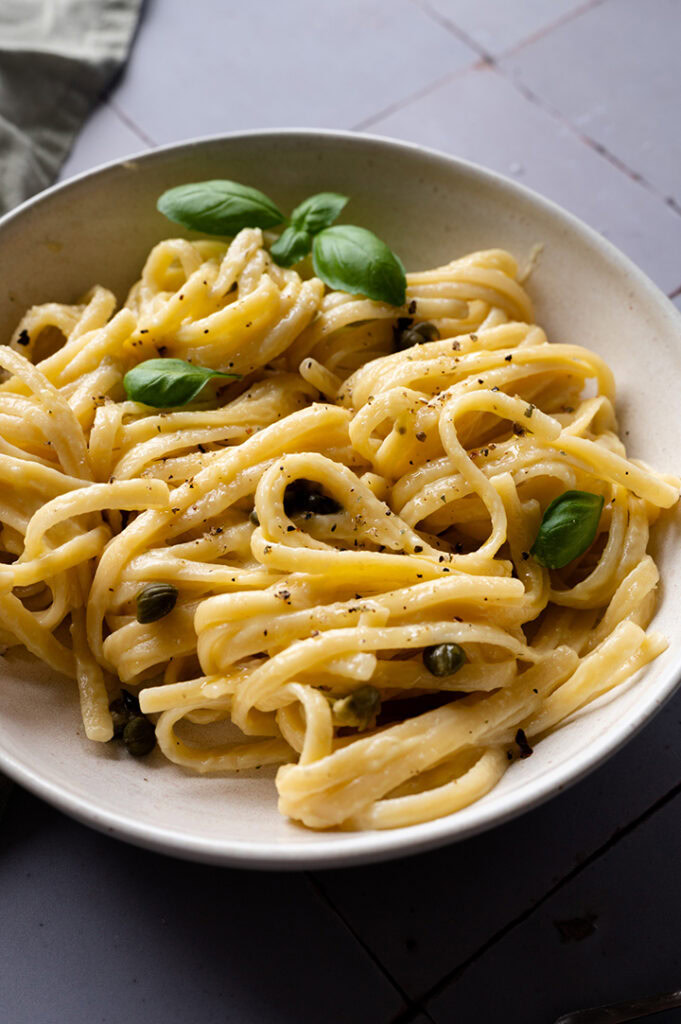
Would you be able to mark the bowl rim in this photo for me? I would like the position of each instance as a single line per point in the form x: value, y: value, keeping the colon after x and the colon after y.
x: 371, y: 846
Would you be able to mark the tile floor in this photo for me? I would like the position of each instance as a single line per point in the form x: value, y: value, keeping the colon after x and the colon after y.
x: 580, y: 101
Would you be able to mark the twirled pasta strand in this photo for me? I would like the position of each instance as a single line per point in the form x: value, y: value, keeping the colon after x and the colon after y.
x: 435, y: 463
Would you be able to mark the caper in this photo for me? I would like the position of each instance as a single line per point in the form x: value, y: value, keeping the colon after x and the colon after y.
x: 130, y: 702
x: 122, y: 709
x: 253, y: 516
x: 358, y: 708
x: 139, y: 736
x: 305, y: 496
x: 416, y: 335
x: 119, y: 716
x: 155, y: 601
x: 322, y: 505
x: 403, y: 324
x: 444, y: 659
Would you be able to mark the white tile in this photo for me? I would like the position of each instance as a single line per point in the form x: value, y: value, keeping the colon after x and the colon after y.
x: 226, y: 67
x: 497, y: 25
x: 425, y: 916
x: 481, y: 116
x: 104, y: 137
x: 628, y: 905
x: 614, y: 72
x: 102, y: 932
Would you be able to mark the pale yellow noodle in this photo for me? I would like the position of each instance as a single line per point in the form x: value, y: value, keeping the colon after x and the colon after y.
x: 435, y: 464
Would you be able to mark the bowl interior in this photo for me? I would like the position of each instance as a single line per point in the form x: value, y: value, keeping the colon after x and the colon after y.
x: 429, y: 208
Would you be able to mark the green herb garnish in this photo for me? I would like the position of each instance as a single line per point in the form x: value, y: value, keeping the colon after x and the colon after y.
x: 346, y: 257
x: 567, y: 529
x: 219, y: 207
x: 163, y: 383
x: 292, y: 246
x: 318, y: 212
x: 354, y: 260
x: 308, y: 219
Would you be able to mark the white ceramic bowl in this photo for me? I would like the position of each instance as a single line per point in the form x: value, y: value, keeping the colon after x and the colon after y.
x: 429, y: 208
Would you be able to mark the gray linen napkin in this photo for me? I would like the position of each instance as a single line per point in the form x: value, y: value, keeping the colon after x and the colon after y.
x: 57, y: 57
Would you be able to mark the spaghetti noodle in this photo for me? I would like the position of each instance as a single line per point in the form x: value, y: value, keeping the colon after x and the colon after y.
x: 348, y: 527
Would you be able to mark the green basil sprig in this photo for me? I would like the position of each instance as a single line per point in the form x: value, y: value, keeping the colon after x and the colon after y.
x: 318, y: 212
x: 292, y: 246
x: 354, y: 260
x: 311, y: 216
x: 568, y: 528
x: 163, y: 383
x: 346, y: 257
x: 219, y: 207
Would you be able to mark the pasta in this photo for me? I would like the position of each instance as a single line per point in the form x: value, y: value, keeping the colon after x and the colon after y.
x: 328, y: 526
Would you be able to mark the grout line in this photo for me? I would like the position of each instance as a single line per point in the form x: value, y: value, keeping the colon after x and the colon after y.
x: 407, y: 1016
x: 564, y: 19
x: 425, y: 90
x: 129, y: 123
x: 673, y: 294
x: 599, y: 148
x: 450, y: 26
x: 410, y: 1006
x: 471, y: 42
x: 493, y: 63
x: 501, y: 933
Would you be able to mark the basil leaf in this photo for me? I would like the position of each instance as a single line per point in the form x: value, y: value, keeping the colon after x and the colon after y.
x: 318, y: 212
x: 567, y: 529
x: 163, y: 383
x: 292, y: 245
x: 219, y: 207
x: 354, y: 260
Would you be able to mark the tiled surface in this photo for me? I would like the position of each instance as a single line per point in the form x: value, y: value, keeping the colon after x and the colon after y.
x: 122, y: 935
x: 549, y: 964
x: 498, y: 27
x: 262, y: 64
x: 613, y: 73
x: 480, y: 116
x: 580, y: 101
x: 427, y: 916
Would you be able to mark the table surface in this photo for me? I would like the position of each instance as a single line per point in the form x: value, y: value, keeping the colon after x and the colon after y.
x: 574, y: 904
